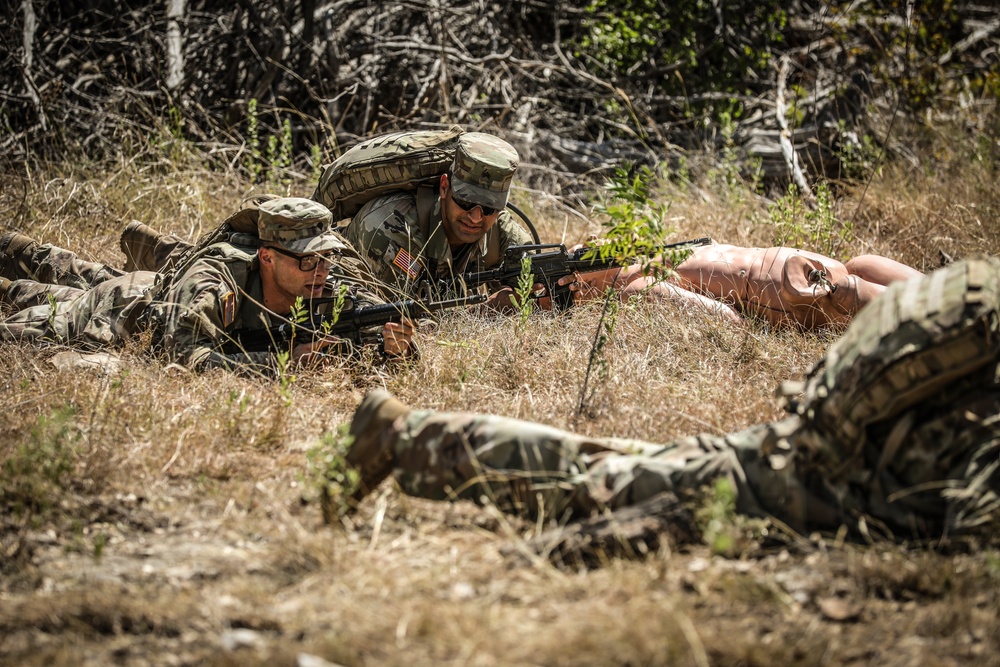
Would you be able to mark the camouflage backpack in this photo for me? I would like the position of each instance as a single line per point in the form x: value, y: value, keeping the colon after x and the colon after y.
x: 396, y: 161
x: 924, y: 340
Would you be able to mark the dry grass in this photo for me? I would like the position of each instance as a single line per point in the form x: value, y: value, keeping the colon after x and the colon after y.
x: 178, y: 532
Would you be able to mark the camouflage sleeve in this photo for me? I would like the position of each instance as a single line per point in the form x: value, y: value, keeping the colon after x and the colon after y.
x: 511, y: 233
x: 194, y: 320
x: 386, y: 234
x: 192, y: 315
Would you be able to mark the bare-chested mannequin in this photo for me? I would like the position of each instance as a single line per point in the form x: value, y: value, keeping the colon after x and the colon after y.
x: 784, y: 286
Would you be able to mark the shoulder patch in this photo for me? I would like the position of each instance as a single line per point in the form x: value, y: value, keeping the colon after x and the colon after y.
x: 228, y: 308
x: 410, y: 265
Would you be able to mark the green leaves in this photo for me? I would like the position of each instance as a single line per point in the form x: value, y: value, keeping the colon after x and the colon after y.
x: 39, y: 470
x: 634, y: 227
x: 683, y: 46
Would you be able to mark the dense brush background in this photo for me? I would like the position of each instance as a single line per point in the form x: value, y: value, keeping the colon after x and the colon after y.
x: 153, y: 516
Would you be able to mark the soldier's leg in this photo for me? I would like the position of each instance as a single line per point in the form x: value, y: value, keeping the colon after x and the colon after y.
x: 103, y: 315
x: 529, y: 468
x: 24, y: 258
x: 147, y: 249
x: 21, y: 294
x: 44, y: 322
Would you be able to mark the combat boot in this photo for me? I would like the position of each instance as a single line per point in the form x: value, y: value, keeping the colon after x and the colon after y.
x: 374, y: 433
x: 4, y: 287
x: 138, y: 242
x: 16, y: 251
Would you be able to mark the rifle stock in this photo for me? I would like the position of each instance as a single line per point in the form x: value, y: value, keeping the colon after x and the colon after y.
x: 552, y: 261
x: 348, y: 324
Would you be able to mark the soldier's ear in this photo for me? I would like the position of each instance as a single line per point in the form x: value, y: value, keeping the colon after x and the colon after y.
x: 443, y: 185
x: 265, y: 255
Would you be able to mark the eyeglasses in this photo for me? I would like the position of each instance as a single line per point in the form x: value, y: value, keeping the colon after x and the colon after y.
x: 468, y: 206
x: 306, y: 262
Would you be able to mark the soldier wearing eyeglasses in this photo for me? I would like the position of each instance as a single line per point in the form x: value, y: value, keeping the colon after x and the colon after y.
x: 212, y: 291
x: 411, y: 239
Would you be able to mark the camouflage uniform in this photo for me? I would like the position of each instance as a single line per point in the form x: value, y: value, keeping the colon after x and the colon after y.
x: 401, y: 233
x: 214, y: 290
x: 895, y: 426
x: 103, y: 315
x: 52, y: 265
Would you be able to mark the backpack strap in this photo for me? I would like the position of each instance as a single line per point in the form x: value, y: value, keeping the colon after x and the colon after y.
x: 427, y: 196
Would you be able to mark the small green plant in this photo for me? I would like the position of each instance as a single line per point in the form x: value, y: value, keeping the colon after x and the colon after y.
x: 336, y: 308
x: 279, y: 156
x: 253, y: 164
x: 634, y: 233
x: 728, y: 175
x: 522, y: 295
x: 52, y: 312
x: 298, y: 313
x: 286, y: 378
x: 799, y: 226
x: 176, y: 120
x: 597, y: 362
x: 316, y: 162
x: 38, y: 471
x: 725, y: 531
x: 633, y: 223
x: 329, y: 476
x: 859, y: 156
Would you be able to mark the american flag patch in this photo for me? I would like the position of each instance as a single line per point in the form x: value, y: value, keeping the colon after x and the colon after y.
x: 407, y: 263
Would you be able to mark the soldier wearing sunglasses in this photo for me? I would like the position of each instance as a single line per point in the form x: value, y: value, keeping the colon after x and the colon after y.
x: 191, y: 308
x: 415, y: 239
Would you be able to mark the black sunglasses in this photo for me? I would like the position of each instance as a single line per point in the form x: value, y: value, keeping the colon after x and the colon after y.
x: 468, y: 205
x: 306, y: 262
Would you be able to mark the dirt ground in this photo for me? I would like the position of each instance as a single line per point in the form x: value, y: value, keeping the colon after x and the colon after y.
x: 251, y: 576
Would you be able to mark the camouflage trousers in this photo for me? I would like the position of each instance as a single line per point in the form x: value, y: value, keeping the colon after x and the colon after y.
x: 103, y: 315
x: 532, y: 469
x: 946, y: 481
x: 52, y: 265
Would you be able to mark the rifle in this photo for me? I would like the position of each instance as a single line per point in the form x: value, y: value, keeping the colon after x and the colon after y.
x: 552, y: 261
x: 348, y: 324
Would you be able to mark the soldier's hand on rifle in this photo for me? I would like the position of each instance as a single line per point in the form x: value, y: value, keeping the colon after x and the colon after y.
x: 397, y: 338
x: 312, y: 353
x: 589, y: 285
x: 502, y: 300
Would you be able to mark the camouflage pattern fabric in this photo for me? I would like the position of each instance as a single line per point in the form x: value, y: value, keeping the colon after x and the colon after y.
x: 299, y: 225
x: 57, y: 266
x: 402, y: 250
x: 165, y: 253
x: 21, y: 294
x: 145, y: 249
x: 386, y: 163
x: 529, y: 468
x: 483, y: 169
x: 101, y: 316
x: 220, y: 291
x: 217, y: 290
x: 925, y: 462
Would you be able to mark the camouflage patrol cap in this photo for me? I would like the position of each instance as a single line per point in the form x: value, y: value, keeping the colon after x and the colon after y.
x: 298, y: 225
x: 483, y: 168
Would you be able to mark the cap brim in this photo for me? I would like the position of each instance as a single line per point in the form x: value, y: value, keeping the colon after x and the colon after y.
x: 479, y: 195
x: 315, y: 244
